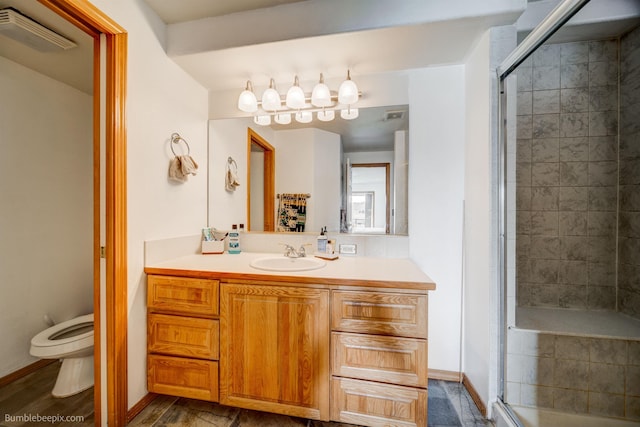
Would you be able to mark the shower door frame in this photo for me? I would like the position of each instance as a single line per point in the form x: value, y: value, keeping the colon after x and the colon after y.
x: 562, y: 13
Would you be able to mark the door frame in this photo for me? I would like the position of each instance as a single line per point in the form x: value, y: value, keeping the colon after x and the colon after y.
x: 269, y: 180
x: 98, y: 25
x: 387, y: 168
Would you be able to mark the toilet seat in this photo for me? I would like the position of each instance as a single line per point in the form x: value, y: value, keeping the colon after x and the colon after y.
x: 42, y: 345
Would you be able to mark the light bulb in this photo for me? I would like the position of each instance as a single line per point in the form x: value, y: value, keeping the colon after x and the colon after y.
x: 321, y: 96
x: 304, y: 116
x: 295, y: 96
x: 326, y: 115
x: 349, y: 113
x: 271, y: 98
x: 262, y: 120
x: 348, y: 92
x: 282, y: 118
x: 247, y: 101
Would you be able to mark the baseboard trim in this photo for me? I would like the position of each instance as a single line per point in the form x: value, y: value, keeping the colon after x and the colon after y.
x: 474, y: 395
x: 23, y: 372
x: 138, y: 407
x: 438, y: 374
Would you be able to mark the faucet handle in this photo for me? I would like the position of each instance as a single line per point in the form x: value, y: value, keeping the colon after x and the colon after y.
x: 288, y: 249
x: 302, y: 252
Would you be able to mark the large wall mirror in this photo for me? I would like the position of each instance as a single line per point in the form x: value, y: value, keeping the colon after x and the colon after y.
x: 355, y: 172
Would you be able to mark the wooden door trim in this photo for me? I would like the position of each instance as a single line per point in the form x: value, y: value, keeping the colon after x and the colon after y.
x: 94, y: 22
x: 269, y: 179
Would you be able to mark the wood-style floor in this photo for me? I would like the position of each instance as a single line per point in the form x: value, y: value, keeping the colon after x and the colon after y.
x: 28, y: 402
x: 449, y: 406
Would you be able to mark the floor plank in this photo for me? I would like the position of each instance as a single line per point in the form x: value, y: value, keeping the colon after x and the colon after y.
x: 449, y: 406
x: 30, y: 397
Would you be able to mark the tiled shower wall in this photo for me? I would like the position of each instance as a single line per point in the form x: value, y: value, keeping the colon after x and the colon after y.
x: 595, y: 376
x: 566, y: 176
x: 629, y: 222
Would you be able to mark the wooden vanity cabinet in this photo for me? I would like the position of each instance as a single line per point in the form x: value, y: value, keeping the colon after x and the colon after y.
x: 346, y: 353
x: 183, y: 341
x: 275, y: 349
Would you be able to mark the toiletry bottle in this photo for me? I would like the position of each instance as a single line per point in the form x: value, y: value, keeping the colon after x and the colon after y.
x: 321, y: 247
x: 234, y: 240
x: 330, y: 246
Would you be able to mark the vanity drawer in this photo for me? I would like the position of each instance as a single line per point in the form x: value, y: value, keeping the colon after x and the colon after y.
x: 380, y: 358
x: 373, y: 404
x: 176, y: 376
x: 379, y: 313
x: 184, y: 336
x: 183, y: 295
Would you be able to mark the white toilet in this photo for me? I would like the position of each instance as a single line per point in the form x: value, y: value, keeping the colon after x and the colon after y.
x: 71, y: 341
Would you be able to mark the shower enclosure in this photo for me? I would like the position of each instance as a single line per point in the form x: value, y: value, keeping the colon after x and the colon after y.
x: 572, y: 218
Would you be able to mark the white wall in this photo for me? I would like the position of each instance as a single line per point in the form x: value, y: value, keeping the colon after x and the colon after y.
x: 46, y: 224
x: 308, y: 161
x: 228, y: 138
x: 477, y: 252
x: 400, y: 178
x: 312, y: 159
x: 436, y: 189
x: 326, y: 191
x: 161, y: 99
x: 257, y: 190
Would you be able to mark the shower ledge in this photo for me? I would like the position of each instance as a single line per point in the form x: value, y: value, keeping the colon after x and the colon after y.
x: 606, y: 324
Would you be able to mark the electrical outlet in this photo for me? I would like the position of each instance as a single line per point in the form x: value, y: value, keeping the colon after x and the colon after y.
x: 348, y: 249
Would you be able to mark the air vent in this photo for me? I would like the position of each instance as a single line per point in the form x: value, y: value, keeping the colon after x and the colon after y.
x: 27, y: 31
x: 394, y: 114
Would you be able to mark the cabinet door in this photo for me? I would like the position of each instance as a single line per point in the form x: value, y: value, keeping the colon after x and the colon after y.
x: 274, y: 344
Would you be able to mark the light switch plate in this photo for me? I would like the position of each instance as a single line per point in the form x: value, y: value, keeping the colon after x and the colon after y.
x: 347, y: 249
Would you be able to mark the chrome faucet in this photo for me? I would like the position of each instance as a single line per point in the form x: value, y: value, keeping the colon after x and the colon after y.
x: 290, y: 251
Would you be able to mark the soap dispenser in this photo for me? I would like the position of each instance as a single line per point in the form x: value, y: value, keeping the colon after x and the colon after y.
x: 322, y: 239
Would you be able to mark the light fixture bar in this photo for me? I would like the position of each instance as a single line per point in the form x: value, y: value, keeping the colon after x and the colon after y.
x: 307, y: 100
x: 310, y: 109
x: 300, y: 105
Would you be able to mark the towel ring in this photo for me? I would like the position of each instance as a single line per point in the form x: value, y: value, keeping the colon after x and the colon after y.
x: 175, y: 139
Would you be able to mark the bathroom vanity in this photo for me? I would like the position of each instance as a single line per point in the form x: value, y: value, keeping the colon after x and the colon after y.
x: 346, y: 342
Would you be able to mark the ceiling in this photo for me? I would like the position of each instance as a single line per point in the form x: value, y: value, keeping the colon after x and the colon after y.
x: 200, y: 42
x: 172, y: 11
x: 360, y: 38
x: 73, y: 67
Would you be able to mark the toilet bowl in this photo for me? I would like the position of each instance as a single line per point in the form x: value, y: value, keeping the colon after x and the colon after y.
x: 71, y: 341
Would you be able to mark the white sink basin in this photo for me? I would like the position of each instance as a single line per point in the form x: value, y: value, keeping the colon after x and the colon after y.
x: 282, y: 263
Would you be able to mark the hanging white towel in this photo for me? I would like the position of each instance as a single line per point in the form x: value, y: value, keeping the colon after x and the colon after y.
x: 231, y: 177
x: 180, y: 167
x: 189, y: 166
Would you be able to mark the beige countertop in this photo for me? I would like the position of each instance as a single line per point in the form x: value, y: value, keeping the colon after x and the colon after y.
x: 353, y: 271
